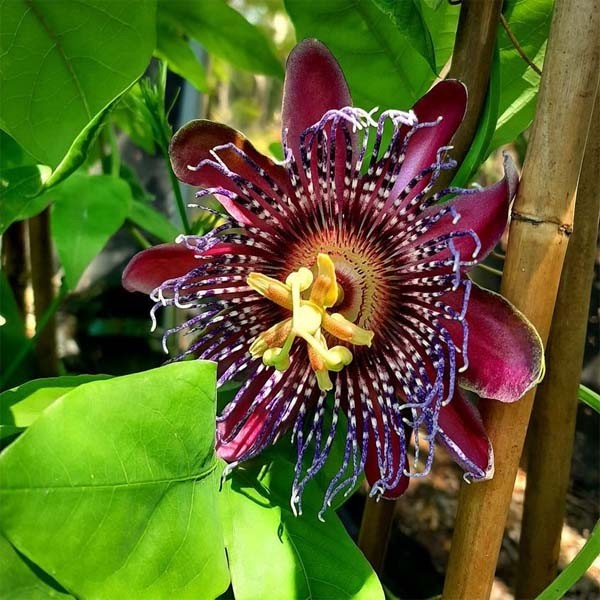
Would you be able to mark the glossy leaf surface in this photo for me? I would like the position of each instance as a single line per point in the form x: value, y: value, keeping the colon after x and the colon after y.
x: 61, y: 67
x: 122, y: 472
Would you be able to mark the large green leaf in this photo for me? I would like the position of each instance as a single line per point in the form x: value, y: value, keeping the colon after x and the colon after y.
x: 17, y: 579
x: 271, y: 549
x: 529, y: 20
x: 178, y: 54
x: 113, y: 490
x: 381, y: 66
x: 222, y: 31
x: 87, y: 210
x: 62, y: 63
x: 22, y: 405
x: 408, y: 18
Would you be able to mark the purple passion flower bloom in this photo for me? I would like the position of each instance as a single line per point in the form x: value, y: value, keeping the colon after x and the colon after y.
x: 338, y: 273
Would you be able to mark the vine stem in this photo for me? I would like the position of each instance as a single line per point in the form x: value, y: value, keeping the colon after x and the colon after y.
x: 178, y: 196
x: 518, y: 48
x: 552, y: 429
x: 542, y: 220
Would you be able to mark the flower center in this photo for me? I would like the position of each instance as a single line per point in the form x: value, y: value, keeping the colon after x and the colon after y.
x: 308, y: 298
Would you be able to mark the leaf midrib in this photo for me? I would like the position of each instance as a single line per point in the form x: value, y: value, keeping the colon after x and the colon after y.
x: 61, y: 52
x: 196, y: 476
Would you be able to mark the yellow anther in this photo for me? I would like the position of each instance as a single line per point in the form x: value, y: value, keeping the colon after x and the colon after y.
x: 303, y: 277
x: 308, y: 321
x: 272, y: 338
x: 338, y: 326
x: 271, y: 289
x: 326, y: 291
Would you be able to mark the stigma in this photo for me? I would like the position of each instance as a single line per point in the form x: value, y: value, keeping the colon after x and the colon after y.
x: 308, y: 298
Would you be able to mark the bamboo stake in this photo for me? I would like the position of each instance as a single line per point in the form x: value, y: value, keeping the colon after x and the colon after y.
x: 552, y: 428
x: 471, y: 63
x: 375, y: 531
x: 42, y: 269
x: 542, y: 221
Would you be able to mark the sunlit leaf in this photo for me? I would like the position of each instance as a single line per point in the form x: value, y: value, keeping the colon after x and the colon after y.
x: 63, y: 63
x: 87, y: 211
x: 271, y: 549
x: 122, y: 472
x: 22, y: 405
x: 380, y: 65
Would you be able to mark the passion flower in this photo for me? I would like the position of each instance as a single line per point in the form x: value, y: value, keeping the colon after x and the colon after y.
x: 339, y: 282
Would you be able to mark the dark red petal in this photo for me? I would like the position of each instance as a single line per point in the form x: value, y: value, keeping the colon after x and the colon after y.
x: 463, y: 435
x: 447, y: 99
x: 193, y: 143
x: 314, y: 84
x: 484, y: 212
x: 149, y: 268
x: 506, y: 356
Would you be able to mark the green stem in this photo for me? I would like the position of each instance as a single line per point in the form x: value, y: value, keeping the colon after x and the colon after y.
x: 178, y: 197
x: 40, y: 325
x: 138, y: 236
x: 575, y: 569
x: 115, y: 157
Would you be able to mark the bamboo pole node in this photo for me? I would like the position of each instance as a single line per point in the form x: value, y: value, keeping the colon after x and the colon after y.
x: 565, y: 229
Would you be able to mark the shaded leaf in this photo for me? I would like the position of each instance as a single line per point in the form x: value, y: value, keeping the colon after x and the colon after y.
x: 223, y: 32
x: 407, y: 17
x: 381, y: 66
x: 442, y: 21
x: 87, y: 211
x: 122, y: 472
x: 21, y: 406
x: 179, y: 56
x: 152, y: 221
x: 63, y: 63
x: 17, y: 579
x: 12, y: 334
